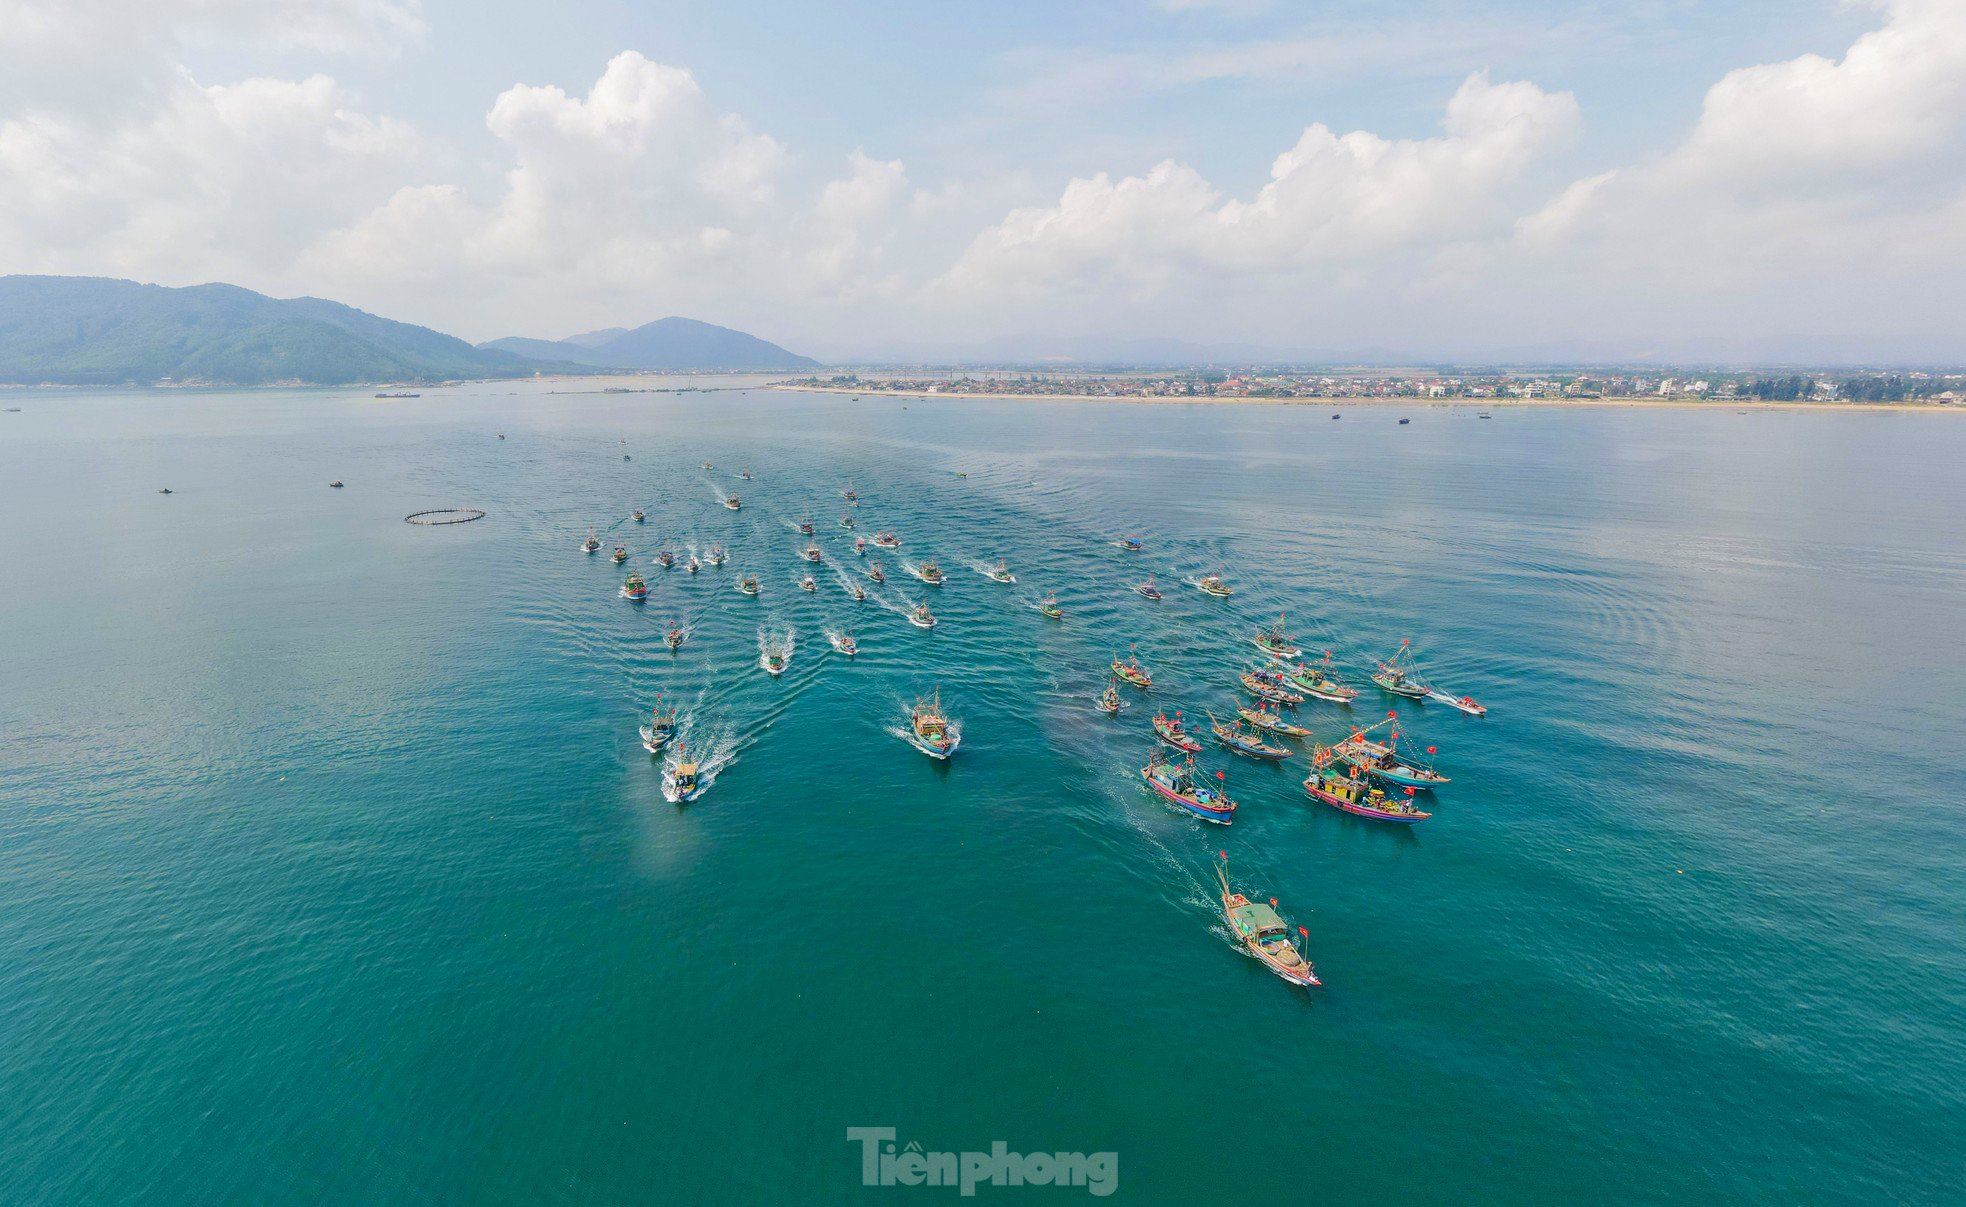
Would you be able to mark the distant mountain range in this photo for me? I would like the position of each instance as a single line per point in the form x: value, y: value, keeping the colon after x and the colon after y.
x: 672, y: 344
x: 101, y: 331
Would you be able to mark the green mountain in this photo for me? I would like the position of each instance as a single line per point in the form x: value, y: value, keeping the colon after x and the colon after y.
x: 668, y: 344
x: 100, y: 331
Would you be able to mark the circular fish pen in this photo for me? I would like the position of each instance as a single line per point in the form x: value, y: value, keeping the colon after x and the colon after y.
x: 445, y: 515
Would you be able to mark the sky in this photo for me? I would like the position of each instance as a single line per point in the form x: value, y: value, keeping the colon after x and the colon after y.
x: 1472, y: 179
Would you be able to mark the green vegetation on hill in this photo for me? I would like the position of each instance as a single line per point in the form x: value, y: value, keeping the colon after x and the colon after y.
x: 666, y: 344
x: 101, y: 331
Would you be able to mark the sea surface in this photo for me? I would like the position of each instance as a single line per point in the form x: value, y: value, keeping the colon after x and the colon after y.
x: 331, y: 868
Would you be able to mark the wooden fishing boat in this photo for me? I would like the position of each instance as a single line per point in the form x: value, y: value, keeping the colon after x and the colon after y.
x: 1212, y: 584
x: 1264, y: 933
x: 1270, y: 722
x: 1355, y: 795
x: 1178, y: 784
x: 1313, y: 681
x: 929, y: 729
x: 1132, y: 544
x: 1051, y: 609
x: 860, y: 545
x: 775, y: 657
x: 887, y: 540
x: 747, y: 585
x: 1268, y: 686
x: 810, y: 552
x: 732, y: 502
x: 1132, y: 671
x: 1002, y: 573
x: 591, y: 545
x: 674, y: 637
x: 636, y: 515
x: 619, y: 555
x: 857, y: 591
x: 707, y: 465
x: 844, y: 642
x: 1109, y: 701
x: 921, y: 617
x: 635, y: 587
x: 693, y: 565
x: 1168, y: 730
x: 875, y: 572
x: 716, y: 555
x: 683, y: 781
x: 846, y: 522
x: 930, y: 572
x: 337, y: 484
x: 1248, y: 742
x: 1464, y: 703
x: 806, y: 584
x: 1275, y: 641
x: 661, y: 727
x: 1148, y: 588
x: 744, y: 474
x: 1381, y: 760
x: 1399, y: 676
x: 665, y: 559
x: 850, y: 494
x: 805, y: 525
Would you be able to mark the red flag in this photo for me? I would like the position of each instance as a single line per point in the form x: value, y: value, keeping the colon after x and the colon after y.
x: 1411, y: 791
x: 1391, y: 713
x: 1430, y: 750
x: 1303, y: 932
x: 1273, y: 903
x: 1220, y: 776
x: 1223, y: 854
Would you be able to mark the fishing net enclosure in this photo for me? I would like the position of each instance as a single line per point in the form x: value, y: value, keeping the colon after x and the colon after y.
x: 445, y: 515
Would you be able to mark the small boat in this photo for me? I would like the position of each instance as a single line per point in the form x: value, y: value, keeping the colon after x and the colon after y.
x: 1176, y: 782
x: 501, y: 435
x: 168, y: 491
x: 336, y: 484
x: 1168, y: 730
x: 875, y: 572
x: 744, y: 474
x: 1342, y: 790
x: 1381, y: 760
x: 1132, y: 544
x: 1212, y: 584
x: 1051, y: 609
x: 693, y: 565
x: 1268, y: 686
x: 1148, y: 588
x: 1465, y: 703
x: 887, y: 540
x: 860, y: 545
x: 619, y: 555
x: 844, y: 642
x: 635, y: 588
x: 747, y: 585
x: 732, y: 502
x: 805, y: 526
x: 929, y: 730
x: 1245, y: 741
x: 1002, y: 573
x: 683, y: 782
x: 1109, y: 700
x: 1270, y: 722
x: 857, y: 591
x: 1312, y: 681
x: 1264, y: 933
x: 707, y: 465
x: 626, y: 457
x: 661, y: 727
x: 1405, y: 421
x: 1132, y: 671
x: 1334, y: 415
x: 716, y: 556
x: 811, y: 552
x: 1400, y: 677
x: 674, y: 637
x: 921, y: 617
x: 1275, y: 641
x: 399, y: 395
x: 846, y: 522
x: 591, y: 545
x: 665, y: 559
x: 850, y: 494
x: 775, y: 657
x: 806, y: 584
x: 1484, y: 415
x: 930, y: 572
x: 636, y: 515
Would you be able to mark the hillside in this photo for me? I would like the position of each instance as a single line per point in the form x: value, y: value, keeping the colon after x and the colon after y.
x: 667, y: 344
x: 101, y: 331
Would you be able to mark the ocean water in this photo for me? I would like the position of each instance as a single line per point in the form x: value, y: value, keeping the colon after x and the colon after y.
x: 331, y: 868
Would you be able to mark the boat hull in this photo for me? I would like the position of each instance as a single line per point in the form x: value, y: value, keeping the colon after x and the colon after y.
x: 1220, y: 816
x: 1358, y: 810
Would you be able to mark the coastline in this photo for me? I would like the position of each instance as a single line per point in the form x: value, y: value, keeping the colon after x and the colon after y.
x: 1664, y: 404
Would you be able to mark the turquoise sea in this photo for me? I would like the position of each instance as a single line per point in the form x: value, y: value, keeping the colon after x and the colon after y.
x: 331, y: 868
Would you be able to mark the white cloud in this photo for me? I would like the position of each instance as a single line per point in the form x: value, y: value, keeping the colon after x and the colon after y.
x: 1330, y: 197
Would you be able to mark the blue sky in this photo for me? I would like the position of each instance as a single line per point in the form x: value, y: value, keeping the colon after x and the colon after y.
x: 871, y: 179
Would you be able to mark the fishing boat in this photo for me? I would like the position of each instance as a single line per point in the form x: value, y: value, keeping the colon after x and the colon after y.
x: 1381, y: 760
x: 1109, y: 700
x: 1132, y: 671
x: 591, y: 545
x: 930, y: 572
x: 1002, y: 573
x: 1268, y: 686
x: 921, y: 617
x: 1275, y: 641
x: 619, y: 555
x: 929, y: 730
x: 1148, y: 588
x: 665, y: 559
x: 1245, y: 741
x: 1051, y: 609
x: 693, y: 566
x: 1405, y: 421
x: 637, y: 515
x: 1177, y: 783
x: 860, y: 545
x: 1271, y: 722
x: 683, y: 782
x: 846, y: 522
x: 716, y: 556
x: 805, y: 525
x: 635, y: 588
x: 857, y: 591
x: 674, y: 637
x: 1264, y: 933
x: 844, y: 642
x: 707, y: 465
x: 850, y: 494
x: 887, y: 540
x: 165, y: 490
x: 775, y: 657
x: 1212, y: 584
x: 732, y: 502
x: 1132, y: 544
x: 1313, y: 681
x: 1352, y: 793
x: 744, y: 474
x: 810, y: 552
x: 806, y: 584
x: 1465, y: 703
x: 1400, y: 677
x: 1169, y: 730
x: 336, y: 484
x: 747, y: 585
x: 661, y: 727
x: 875, y: 572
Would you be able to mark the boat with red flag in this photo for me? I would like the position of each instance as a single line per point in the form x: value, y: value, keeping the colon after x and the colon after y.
x: 1399, y: 676
x: 635, y: 587
x: 1169, y: 730
x: 1275, y: 641
x: 1248, y: 742
x: 886, y: 540
x: 1316, y: 681
x: 1109, y: 701
x: 1343, y: 789
x: 1148, y: 590
x: 1269, y: 686
x: 661, y: 727
x: 1132, y: 671
x: 1260, y: 929
x: 1178, y: 783
x: 1381, y: 760
x: 929, y: 729
x: 1270, y: 722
